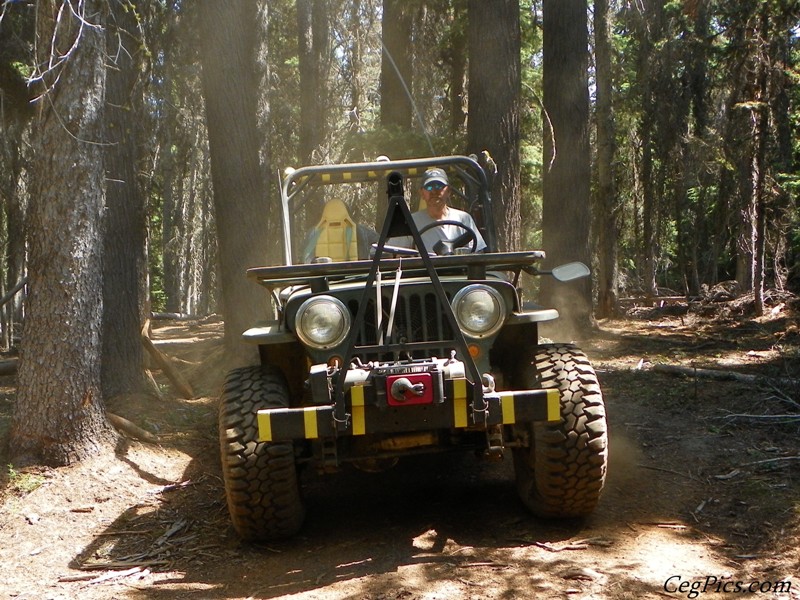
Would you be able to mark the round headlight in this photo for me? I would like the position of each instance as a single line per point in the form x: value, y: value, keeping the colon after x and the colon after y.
x: 322, y: 322
x: 479, y: 310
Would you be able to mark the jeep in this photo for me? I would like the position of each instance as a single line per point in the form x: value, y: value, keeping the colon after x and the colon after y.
x: 378, y: 352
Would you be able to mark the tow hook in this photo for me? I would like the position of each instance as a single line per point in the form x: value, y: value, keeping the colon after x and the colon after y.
x: 403, y: 385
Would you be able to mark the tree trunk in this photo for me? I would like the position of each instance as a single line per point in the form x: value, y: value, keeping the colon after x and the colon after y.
x: 759, y: 171
x: 646, y: 134
x: 734, y: 215
x: 608, y: 205
x: 355, y: 60
x: 565, y: 210
x: 312, y: 42
x: 396, y: 73
x: 230, y: 92
x: 456, y: 55
x: 59, y: 415
x: 14, y: 213
x: 15, y: 114
x: 265, y: 137
x: 739, y: 148
x: 494, y: 106
x: 781, y: 116
x: 125, y: 262
x: 170, y: 219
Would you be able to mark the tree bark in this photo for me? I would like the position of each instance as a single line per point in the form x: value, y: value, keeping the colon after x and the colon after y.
x: 355, y: 60
x: 125, y: 261
x: 396, y: 73
x: 759, y: 171
x: 494, y: 105
x: 607, y: 204
x: 312, y: 42
x: 265, y: 128
x: 456, y: 58
x: 59, y: 416
x: 230, y: 92
x: 565, y: 211
x: 645, y: 34
x: 15, y: 114
x: 781, y: 116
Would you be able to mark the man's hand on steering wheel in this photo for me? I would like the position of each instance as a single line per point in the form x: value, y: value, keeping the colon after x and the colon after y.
x: 447, y: 246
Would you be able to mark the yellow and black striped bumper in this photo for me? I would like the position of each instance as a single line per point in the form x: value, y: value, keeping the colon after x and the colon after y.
x: 456, y: 412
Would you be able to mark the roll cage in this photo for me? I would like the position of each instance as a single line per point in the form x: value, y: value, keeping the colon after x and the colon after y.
x: 468, y: 181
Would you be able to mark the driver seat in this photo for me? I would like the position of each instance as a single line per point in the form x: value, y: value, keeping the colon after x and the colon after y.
x: 336, y: 233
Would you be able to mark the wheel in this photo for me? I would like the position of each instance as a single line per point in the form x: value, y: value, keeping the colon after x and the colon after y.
x: 468, y: 237
x: 563, y: 471
x: 260, y: 478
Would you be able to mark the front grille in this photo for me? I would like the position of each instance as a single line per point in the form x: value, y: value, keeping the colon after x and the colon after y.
x: 419, y: 317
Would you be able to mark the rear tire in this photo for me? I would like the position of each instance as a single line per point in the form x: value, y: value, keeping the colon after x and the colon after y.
x: 563, y: 472
x: 260, y: 477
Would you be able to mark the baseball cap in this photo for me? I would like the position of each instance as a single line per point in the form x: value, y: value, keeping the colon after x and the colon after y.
x: 435, y: 174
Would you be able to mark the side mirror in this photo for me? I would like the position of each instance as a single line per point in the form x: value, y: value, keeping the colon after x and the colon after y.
x: 570, y: 271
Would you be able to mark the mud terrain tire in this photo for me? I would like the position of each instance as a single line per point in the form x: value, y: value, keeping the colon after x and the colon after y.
x: 563, y: 472
x: 260, y: 478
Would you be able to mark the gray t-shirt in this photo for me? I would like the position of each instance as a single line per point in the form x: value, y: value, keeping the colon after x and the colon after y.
x: 444, y: 232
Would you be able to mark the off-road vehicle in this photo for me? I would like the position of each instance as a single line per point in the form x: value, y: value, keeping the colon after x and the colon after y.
x: 379, y: 352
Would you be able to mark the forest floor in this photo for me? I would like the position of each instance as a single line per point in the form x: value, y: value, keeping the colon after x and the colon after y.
x: 700, y: 501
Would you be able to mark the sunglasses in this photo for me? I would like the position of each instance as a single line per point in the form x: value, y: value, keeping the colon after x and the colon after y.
x: 434, y: 186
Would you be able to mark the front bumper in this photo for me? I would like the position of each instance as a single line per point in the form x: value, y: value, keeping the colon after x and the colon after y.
x: 457, y: 408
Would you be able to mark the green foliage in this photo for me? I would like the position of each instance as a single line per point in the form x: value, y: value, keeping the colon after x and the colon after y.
x: 23, y: 483
x: 25, y: 70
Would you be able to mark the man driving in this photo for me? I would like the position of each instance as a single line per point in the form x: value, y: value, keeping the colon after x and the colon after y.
x: 438, y: 221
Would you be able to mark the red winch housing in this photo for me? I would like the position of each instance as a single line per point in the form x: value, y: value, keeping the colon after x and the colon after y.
x: 410, y: 389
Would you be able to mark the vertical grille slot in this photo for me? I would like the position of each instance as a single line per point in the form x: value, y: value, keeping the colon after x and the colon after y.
x: 418, y: 318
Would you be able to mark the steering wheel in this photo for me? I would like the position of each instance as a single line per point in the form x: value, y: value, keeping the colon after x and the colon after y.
x: 468, y: 237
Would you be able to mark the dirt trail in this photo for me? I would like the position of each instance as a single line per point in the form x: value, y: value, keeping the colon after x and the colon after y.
x: 688, y: 501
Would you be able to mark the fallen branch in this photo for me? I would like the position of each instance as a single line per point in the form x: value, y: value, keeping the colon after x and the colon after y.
x: 728, y: 476
x: 153, y: 385
x: 720, y: 375
x: 573, y: 545
x: 660, y: 301
x: 115, y: 565
x: 73, y: 578
x: 115, y: 575
x: 662, y: 470
x: 176, y: 379
x: 171, y: 487
x: 782, y: 396
x: 123, y: 425
x: 676, y: 526
x: 706, y: 373
x: 771, y: 460
x: 551, y: 548
x: 789, y: 418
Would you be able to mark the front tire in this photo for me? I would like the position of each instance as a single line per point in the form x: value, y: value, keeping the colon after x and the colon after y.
x: 563, y: 472
x: 260, y: 478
